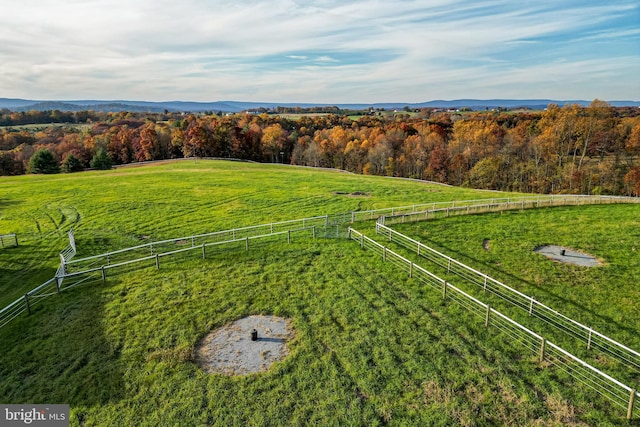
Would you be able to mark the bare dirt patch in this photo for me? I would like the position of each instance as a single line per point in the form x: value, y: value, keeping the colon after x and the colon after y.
x: 486, y: 244
x: 354, y: 194
x: 568, y: 256
x: 230, y: 350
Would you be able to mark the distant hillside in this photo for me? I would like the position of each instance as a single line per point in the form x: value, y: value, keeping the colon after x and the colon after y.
x: 237, y: 106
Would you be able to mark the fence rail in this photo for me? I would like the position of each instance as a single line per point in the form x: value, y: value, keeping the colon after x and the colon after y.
x: 83, y: 273
x: 324, y: 225
x: 591, y: 338
x: 613, y: 390
x: 7, y: 240
x: 435, y: 210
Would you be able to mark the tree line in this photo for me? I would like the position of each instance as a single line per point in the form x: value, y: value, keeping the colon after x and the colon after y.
x: 563, y: 149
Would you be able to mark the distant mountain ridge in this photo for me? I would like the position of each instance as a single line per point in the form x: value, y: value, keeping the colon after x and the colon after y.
x: 238, y: 106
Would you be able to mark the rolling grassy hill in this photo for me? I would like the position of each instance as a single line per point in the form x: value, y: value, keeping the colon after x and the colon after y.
x: 372, y: 347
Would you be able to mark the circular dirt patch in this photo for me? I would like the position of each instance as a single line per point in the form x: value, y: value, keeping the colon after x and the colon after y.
x: 569, y: 256
x: 230, y: 350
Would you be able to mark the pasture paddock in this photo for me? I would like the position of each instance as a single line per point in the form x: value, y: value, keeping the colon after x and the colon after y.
x: 374, y: 346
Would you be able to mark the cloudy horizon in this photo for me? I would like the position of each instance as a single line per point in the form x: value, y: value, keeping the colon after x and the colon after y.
x: 320, y: 51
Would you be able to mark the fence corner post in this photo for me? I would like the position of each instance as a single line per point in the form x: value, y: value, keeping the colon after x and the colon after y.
x: 58, y: 282
x: 26, y: 299
x: 158, y: 261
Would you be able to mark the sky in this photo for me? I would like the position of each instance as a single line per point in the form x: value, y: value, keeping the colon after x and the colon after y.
x: 325, y: 51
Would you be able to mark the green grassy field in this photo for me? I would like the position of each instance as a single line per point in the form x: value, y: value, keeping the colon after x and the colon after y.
x: 502, y: 246
x: 45, y: 126
x: 372, y: 347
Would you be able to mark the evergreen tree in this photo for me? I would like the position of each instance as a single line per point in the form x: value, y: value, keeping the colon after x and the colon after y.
x: 71, y: 164
x: 101, y: 160
x: 43, y: 161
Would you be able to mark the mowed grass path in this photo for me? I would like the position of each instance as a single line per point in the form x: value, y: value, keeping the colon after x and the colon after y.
x: 372, y: 346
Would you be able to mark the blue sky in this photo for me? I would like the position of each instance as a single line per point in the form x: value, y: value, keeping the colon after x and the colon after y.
x: 320, y: 51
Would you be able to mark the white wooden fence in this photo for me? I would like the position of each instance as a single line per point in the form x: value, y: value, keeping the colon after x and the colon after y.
x: 591, y: 338
x: 74, y: 272
x: 330, y: 226
x: 615, y: 391
x: 7, y: 240
x: 436, y: 210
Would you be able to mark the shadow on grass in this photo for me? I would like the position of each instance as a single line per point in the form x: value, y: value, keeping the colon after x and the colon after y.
x: 60, y: 354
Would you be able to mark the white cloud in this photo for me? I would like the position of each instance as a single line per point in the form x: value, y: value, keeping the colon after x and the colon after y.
x: 360, y: 51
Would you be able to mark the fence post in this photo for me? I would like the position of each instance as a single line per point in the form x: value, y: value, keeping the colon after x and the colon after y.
x: 410, y: 269
x: 204, y: 252
x: 542, y: 346
x: 631, y: 402
x: 449, y: 265
x: 314, y: 232
x: 246, y: 244
x: 353, y: 214
x: 158, y: 261
x: 384, y: 253
x: 531, y: 306
x: 108, y: 259
x: 589, y: 340
x: 151, y: 246
x: 418, y: 248
x: 444, y: 289
x: 361, y: 240
x: 26, y: 298
x: 104, y: 275
x: 15, y: 236
x: 390, y: 235
x: 484, y: 288
x: 62, y: 264
x: 326, y: 220
x: 288, y: 236
x: 486, y: 319
x: 58, y: 284
x: 193, y: 241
